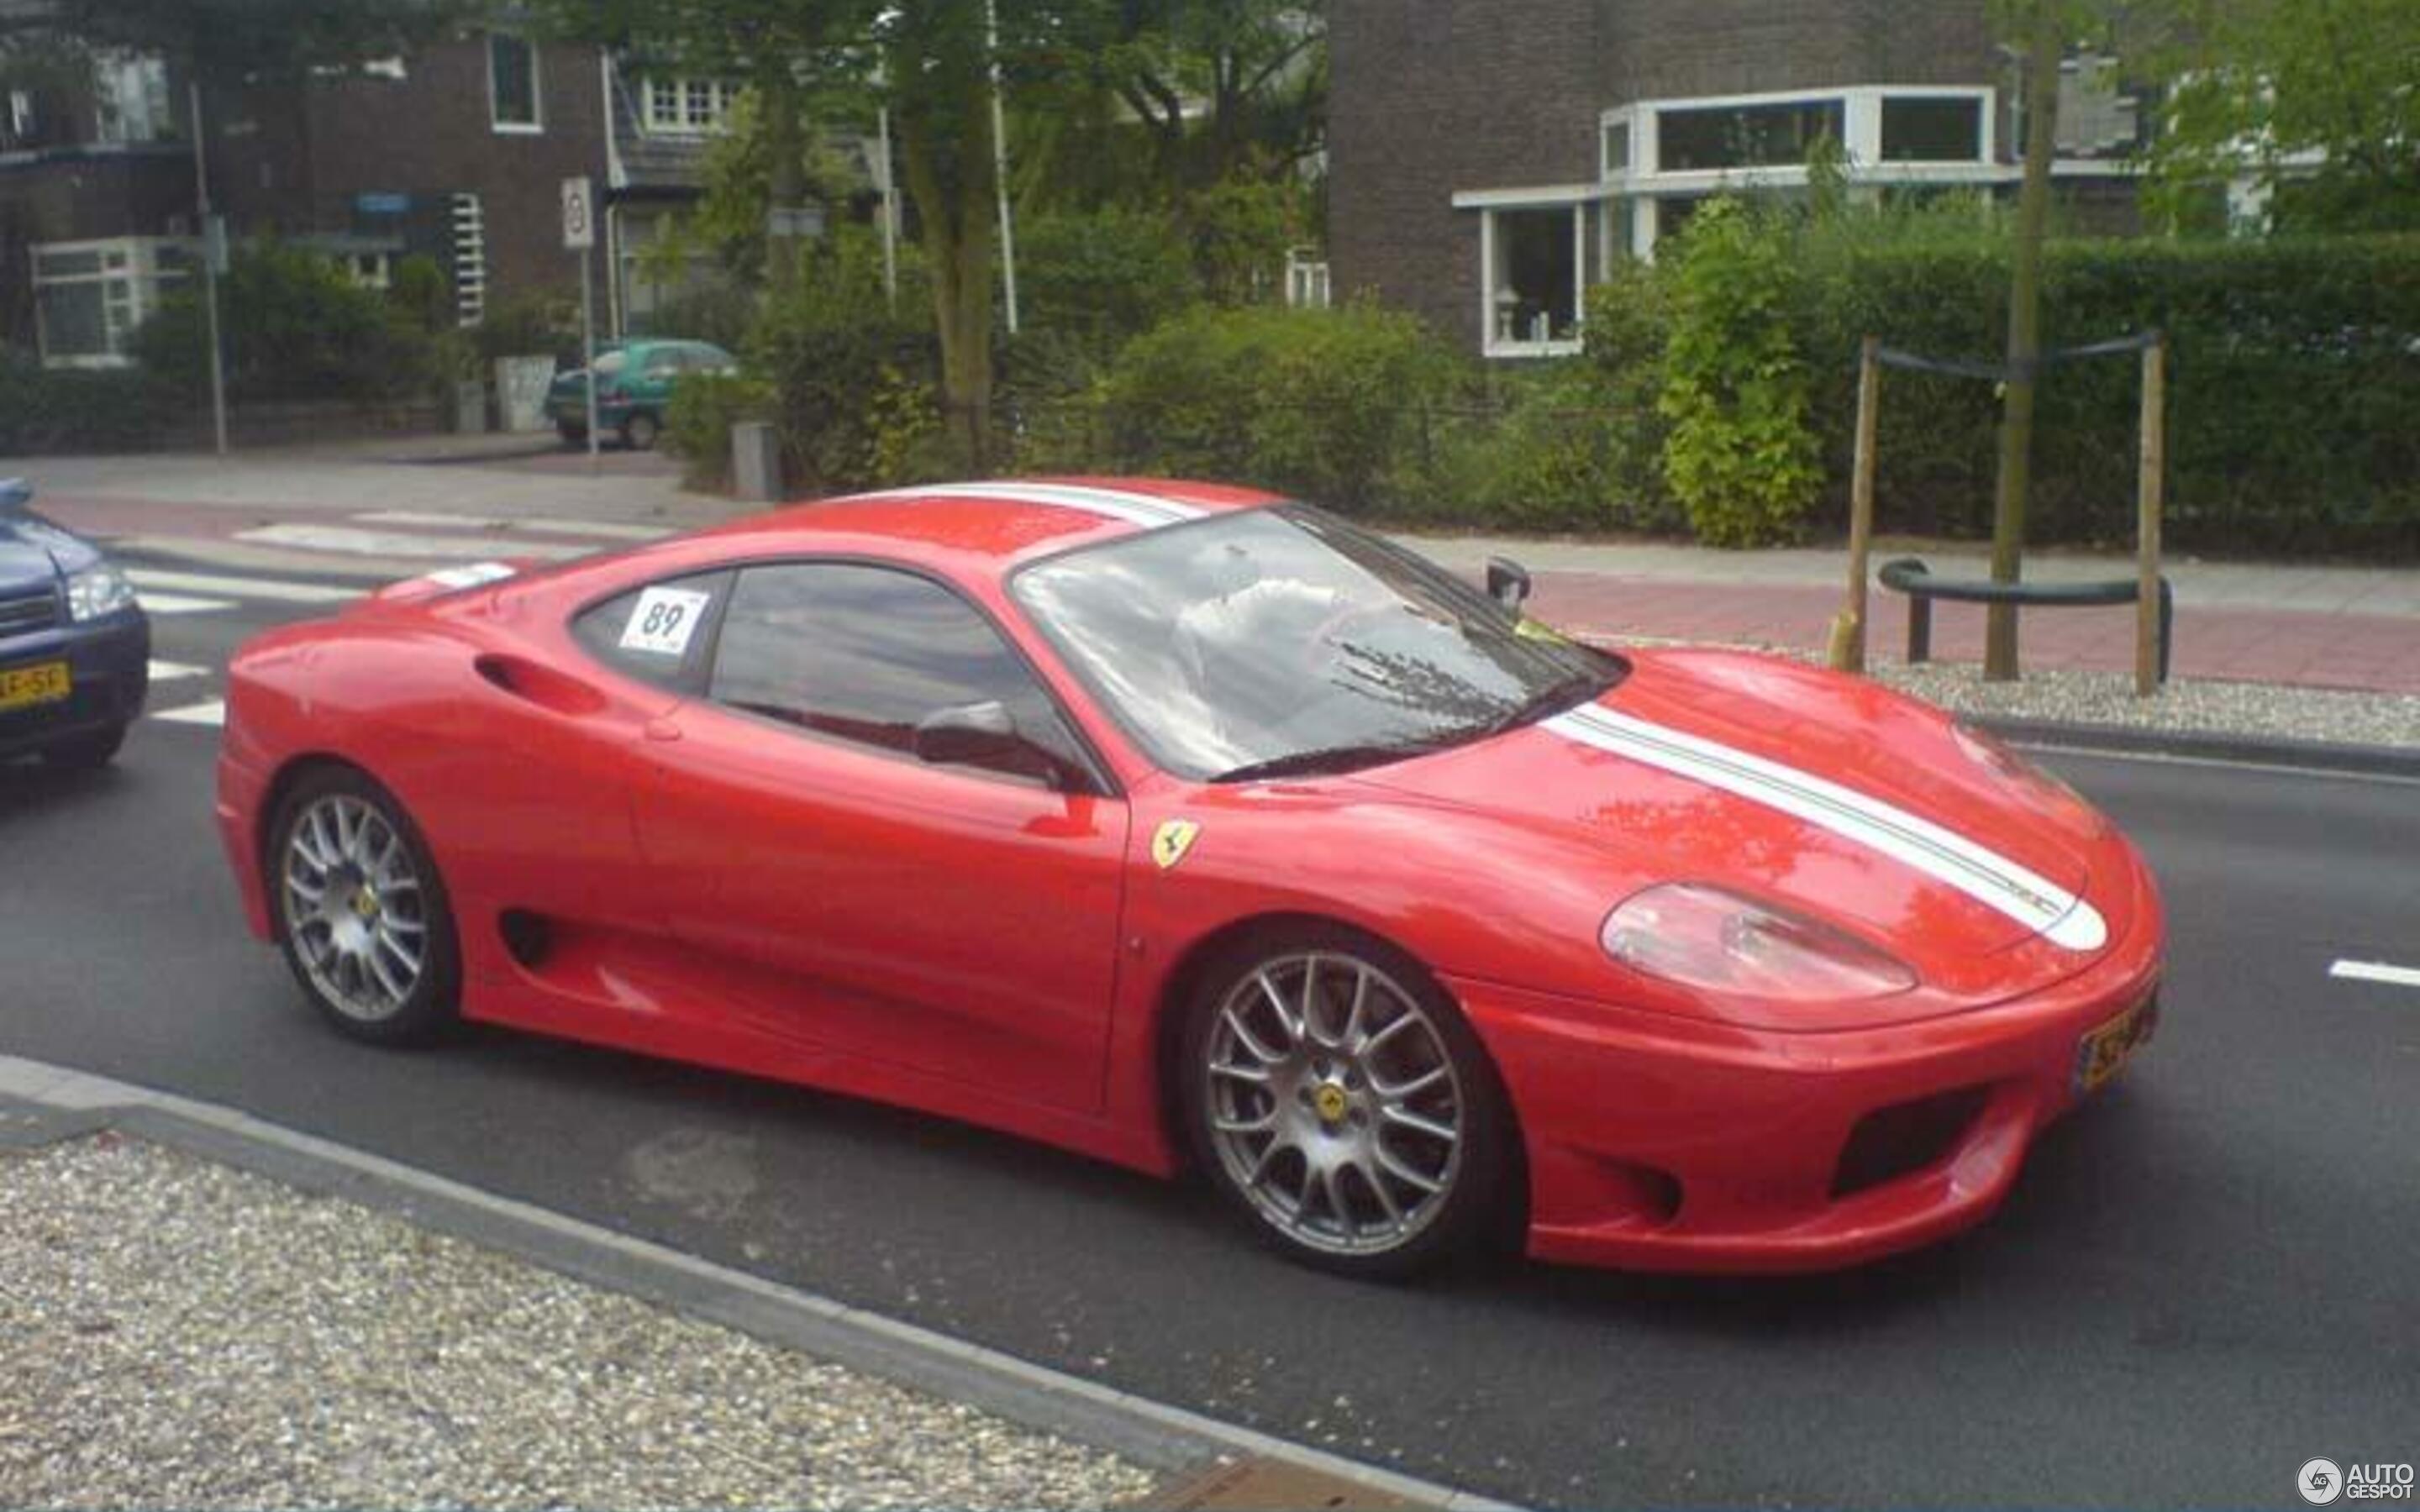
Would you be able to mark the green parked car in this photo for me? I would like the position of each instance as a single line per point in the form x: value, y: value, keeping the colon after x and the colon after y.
x: 635, y: 381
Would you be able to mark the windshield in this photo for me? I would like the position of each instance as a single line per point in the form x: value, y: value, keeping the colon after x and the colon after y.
x: 1283, y: 640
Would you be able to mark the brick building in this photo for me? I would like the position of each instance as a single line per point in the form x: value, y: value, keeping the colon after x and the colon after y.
x: 457, y: 152
x: 1488, y: 158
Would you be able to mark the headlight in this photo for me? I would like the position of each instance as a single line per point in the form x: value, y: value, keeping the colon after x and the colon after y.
x: 97, y: 590
x: 1703, y: 936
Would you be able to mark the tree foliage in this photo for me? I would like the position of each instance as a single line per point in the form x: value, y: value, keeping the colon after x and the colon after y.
x: 2317, y: 100
x: 224, y: 39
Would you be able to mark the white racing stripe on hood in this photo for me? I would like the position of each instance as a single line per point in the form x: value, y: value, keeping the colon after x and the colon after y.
x: 1984, y: 876
x: 1148, y: 511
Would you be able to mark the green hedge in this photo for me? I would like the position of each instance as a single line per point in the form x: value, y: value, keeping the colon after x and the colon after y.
x: 1327, y: 404
x: 66, y: 409
x: 2294, y: 389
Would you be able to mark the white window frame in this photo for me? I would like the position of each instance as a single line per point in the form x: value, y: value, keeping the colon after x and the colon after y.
x: 130, y: 102
x: 675, y: 122
x: 1571, y: 202
x: 1644, y: 181
x: 1307, y: 282
x: 138, y: 266
x: 535, y: 125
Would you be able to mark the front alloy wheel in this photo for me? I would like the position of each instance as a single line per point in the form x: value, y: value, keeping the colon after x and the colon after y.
x: 364, y: 922
x: 1345, y: 1106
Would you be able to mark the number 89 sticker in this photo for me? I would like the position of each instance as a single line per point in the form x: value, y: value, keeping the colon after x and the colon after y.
x: 664, y: 620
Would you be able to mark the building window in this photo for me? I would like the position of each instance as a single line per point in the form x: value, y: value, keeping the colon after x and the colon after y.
x: 689, y: 105
x: 131, y: 100
x: 21, y: 117
x: 90, y: 296
x: 1532, y: 267
x: 1745, y: 136
x: 1307, y: 285
x: 1928, y: 129
x: 512, y: 83
x: 1616, y: 148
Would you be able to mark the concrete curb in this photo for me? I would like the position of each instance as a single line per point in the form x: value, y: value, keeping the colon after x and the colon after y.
x: 2211, y: 746
x: 41, y: 1103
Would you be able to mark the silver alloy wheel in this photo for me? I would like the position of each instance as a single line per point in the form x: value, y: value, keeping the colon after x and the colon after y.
x: 354, y: 907
x: 1333, y: 1102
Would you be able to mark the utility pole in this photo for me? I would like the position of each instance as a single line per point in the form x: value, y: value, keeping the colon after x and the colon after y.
x: 213, y: 248
x: 1000, y: 168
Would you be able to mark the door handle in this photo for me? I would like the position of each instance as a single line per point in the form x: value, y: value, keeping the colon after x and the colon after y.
x: 663, y: 729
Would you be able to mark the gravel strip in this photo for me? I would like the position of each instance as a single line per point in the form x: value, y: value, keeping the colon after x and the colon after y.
x: 2263, y: 709
x: 2268, y: 710
x: 177, y: 1334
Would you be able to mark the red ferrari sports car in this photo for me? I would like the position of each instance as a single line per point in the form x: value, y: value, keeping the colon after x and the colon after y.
x: 1175, y: 822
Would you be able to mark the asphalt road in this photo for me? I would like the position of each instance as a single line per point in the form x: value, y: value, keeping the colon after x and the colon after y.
x: 2203, y: 1279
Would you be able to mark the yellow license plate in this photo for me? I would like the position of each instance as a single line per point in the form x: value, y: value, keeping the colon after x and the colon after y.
x: 45, y: 682
x: 2103, y: 1053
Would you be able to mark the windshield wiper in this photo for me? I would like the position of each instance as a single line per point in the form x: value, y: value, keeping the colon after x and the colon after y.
x: 1562, y: 693
x: 1326, y: 759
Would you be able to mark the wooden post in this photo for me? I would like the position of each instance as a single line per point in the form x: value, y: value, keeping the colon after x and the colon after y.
x: 2150, y: 488
x: 1849, y: 651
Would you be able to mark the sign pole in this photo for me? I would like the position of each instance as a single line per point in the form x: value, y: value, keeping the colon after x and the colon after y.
x: 579, y: 236
x: 213, y: 255
x: 1861, y: 503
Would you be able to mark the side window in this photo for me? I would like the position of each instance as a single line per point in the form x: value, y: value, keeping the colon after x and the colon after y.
x: 864, y: 653
x: 661, y: 632
x: 663, y: 362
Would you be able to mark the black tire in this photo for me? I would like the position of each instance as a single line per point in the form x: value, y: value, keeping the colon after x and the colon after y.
x: 1323, y: 1095
x: 356, y: 994
x: 639, y: 430
x: 572, y: 435
x: 87, y: 752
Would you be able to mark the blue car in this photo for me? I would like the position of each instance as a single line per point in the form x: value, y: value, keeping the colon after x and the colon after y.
x: 75, y: 648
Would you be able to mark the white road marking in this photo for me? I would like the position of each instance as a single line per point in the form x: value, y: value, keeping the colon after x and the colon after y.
x: 168, y: 671
x: 271, y: 589
x: 177, y: 604
x: 212, y: 712
x: 543, y: 525
x: 2376, y: 971
x: 344, y: 538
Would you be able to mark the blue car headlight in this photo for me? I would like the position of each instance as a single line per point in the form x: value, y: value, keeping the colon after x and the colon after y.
x: 97, y: 590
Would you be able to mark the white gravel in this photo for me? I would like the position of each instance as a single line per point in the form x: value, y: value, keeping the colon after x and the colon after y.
x: 177, y: 1334
x: 2259, y: 709
x: 2262, y: 710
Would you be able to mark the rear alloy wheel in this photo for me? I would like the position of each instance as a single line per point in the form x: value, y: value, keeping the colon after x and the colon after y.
x: 639, y: 432
x: 87, y: 753
x: 1338, y: 1099
x: 363, y: 914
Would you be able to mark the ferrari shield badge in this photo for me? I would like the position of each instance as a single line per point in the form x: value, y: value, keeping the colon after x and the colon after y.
x: 1170, y: 843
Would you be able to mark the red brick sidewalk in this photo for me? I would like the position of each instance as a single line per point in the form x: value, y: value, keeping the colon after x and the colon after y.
x: 2372, y: 651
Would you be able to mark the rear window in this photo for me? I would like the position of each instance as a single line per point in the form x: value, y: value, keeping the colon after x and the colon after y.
x: 662, y: 633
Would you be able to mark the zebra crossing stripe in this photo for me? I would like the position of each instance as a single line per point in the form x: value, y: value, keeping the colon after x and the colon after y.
x: 272, y: 590
x: 179, y: 603
x: 169, y: 672
x: 212, y: 712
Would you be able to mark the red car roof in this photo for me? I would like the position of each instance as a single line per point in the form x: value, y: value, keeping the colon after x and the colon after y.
x: 1006, y: 520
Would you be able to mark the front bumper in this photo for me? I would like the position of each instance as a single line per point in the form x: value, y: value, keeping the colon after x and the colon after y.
x: 109, y: 670
x: 1656, y: 1143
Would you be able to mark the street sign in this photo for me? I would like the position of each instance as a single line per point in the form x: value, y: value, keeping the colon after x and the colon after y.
x: 578, y: 215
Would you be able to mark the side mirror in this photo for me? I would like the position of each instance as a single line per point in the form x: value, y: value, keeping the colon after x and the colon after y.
x: 1508, y: 581
x: 15, y: 494
x: 968, y: 734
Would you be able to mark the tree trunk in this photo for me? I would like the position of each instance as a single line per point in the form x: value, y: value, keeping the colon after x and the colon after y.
x: 785, y: 147
x: 954, y: 201
x: 2025, y: 340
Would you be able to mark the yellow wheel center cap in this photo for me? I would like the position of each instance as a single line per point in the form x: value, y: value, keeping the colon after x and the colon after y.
x: 1330, y: 1102
x: 365, y: 904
